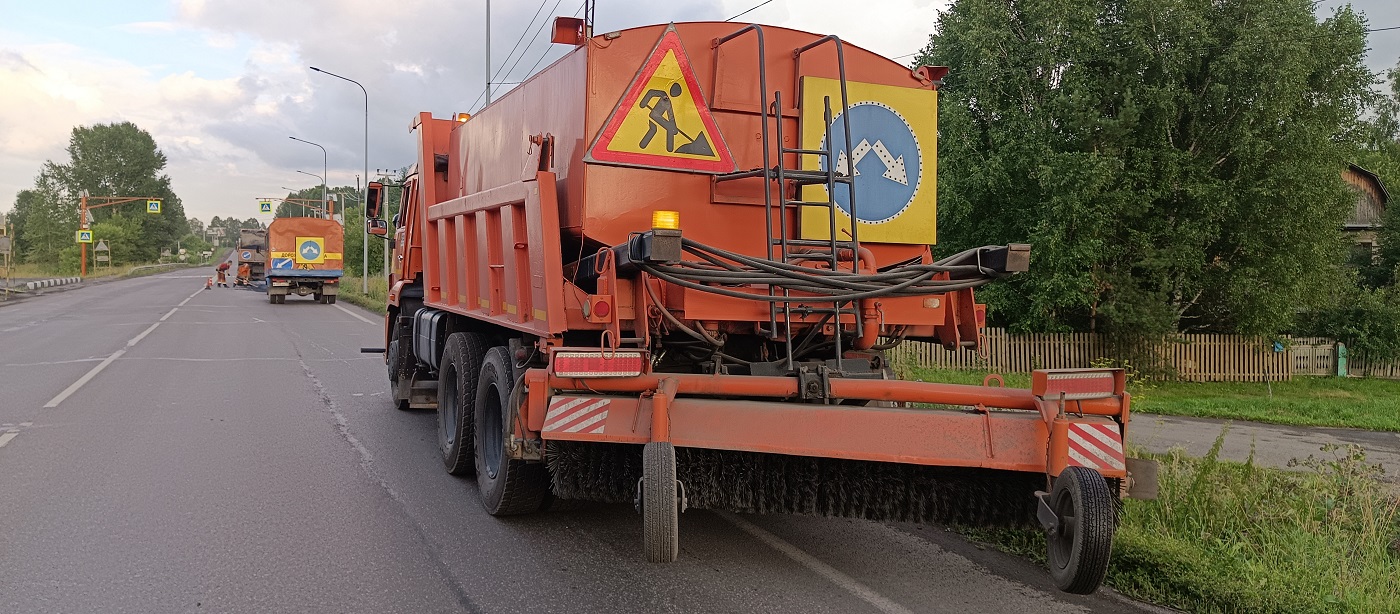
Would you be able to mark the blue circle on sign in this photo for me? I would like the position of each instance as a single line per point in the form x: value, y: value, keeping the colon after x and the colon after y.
x: 309, y: 250
x: 247, y: 255
x: 886, y: 159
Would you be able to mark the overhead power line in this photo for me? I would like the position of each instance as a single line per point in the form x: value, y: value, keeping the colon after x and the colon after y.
x: 751, y: 9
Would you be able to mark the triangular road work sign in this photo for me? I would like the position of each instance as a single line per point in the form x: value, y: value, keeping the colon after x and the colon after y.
x: 662, y: 121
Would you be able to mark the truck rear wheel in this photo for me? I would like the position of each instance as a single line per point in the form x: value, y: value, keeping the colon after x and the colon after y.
x: 506, y: 486
x: 461, y: 361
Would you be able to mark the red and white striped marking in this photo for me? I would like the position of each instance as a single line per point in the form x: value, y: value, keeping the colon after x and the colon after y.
x: 1096, y: 446
x: 577, y: 415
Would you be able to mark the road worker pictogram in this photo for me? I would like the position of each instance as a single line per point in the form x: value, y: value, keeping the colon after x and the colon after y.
x: 662, y: 121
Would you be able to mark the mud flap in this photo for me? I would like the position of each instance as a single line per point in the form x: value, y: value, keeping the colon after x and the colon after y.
x: 1142, y: 478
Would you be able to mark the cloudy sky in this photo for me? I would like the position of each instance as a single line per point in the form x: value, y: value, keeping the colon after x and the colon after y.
x: 221, y: 84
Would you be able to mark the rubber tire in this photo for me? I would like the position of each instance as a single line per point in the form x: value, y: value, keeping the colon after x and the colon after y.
x: 460, y: 364
x: 316, y: 296
x: 395, y: 370
x: 511, y: 486
x: 660, y: 509
x: 330, y: 300
x: 1079, y: 562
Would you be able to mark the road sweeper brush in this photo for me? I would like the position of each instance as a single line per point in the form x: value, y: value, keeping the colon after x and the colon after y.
x: 664, y: 272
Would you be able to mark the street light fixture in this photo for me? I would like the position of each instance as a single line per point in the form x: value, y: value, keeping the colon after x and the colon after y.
x: 325, y: 166
x: 323, y: 190
x: 364, y: 197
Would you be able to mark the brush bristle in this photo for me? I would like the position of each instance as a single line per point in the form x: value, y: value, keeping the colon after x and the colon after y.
x: 752, y: 482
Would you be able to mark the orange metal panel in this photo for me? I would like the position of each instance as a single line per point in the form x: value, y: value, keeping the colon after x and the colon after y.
x: 1013, y: 441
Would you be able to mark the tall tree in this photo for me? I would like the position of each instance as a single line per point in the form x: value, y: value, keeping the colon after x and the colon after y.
x: 1174, y: 162
x: 118, y: 159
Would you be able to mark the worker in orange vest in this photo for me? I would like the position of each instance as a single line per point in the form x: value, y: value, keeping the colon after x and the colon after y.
x: 222, y: 271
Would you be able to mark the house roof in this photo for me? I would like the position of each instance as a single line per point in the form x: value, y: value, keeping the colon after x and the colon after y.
x: 1385, y: 195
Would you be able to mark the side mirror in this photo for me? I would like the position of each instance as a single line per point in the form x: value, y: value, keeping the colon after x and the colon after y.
x: 374, y: 199
x: 376, y: 227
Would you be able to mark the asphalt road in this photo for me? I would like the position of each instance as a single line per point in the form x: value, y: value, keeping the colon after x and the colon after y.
x: 165, y: 448
x: 1270, y: 445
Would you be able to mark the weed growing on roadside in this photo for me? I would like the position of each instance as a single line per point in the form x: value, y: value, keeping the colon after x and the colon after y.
x: 1236, y: 537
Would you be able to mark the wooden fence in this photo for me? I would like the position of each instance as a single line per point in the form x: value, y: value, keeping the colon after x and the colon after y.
x: 1187, y: 357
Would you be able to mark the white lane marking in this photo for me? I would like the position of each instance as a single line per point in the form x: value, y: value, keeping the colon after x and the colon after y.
x: 103, y: 365
x: 138, y: 338
x: 168, y: 314
x: 356, y: 315
x: 84, y: 379
x: 822, y: 569
x: 4, y: 439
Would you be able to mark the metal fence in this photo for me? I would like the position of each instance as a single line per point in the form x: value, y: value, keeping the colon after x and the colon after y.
x: 1184, y: 357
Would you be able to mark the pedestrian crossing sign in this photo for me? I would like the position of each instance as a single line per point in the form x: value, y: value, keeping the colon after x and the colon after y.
x: 85, y: 236
x: 265, y: 206
x: 153, y: 206
x: 662, y: 121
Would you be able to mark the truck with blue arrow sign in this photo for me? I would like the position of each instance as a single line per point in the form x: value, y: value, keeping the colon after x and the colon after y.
x: 305, y: 258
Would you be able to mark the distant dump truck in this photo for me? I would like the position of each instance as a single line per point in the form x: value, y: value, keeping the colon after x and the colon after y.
x: 306, y: 259
x: 252, y: 250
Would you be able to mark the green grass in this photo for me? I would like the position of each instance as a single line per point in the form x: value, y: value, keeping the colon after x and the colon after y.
x: 1305, y: 401
x: 1235, y: 537
x: 375, y: 300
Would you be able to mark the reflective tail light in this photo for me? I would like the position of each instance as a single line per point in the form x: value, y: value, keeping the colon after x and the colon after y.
x: 601, y: 363
x: 1077, y: 384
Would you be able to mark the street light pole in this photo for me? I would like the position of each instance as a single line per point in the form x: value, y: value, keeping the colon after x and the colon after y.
x: 364, y: 252
x: 323, y: 189
x: 325, y: 166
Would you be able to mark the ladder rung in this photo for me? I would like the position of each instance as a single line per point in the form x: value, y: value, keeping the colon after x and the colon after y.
x: 757, y: 172
x: 811, y: 152
x: 809, y: 203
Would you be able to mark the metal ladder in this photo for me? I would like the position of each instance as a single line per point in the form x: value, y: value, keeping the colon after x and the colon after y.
x: 829, y: 176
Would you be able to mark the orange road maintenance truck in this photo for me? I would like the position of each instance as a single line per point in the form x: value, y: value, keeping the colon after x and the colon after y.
x: 636, y: 278
x: 305, y: 257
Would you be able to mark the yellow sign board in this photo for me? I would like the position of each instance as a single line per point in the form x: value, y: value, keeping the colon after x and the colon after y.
x: 661, y: 121
x: 85, y: 236
x: 153, y: 206
x: 264, y: 206
x: 310, y: 250
x: 892, y: 155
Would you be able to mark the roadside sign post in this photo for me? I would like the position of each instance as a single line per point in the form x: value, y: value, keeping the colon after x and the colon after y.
x: 87, y: 203
x: 103, y: 254
x: 6, y: 262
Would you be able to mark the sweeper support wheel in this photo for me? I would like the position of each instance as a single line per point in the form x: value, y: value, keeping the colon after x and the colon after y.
x: 660, y: 507
x: 1081, y: 539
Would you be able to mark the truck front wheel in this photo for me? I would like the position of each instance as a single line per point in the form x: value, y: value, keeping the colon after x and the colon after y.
x: 506, y: 486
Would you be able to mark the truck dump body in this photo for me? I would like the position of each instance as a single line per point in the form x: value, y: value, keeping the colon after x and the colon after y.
x: 306, y: 257
x: 252, y: 249
x: 679, y: 253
